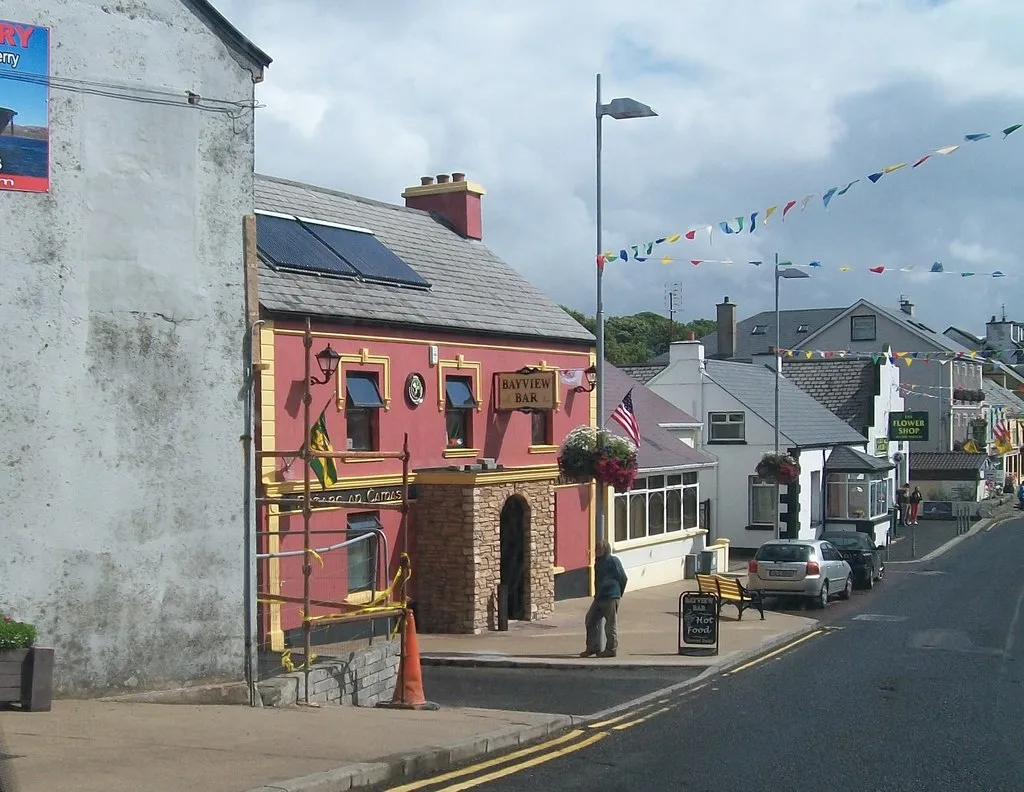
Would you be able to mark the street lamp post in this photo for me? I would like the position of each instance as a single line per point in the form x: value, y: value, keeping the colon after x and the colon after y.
x: 787, y: 272
x: 618, y: 109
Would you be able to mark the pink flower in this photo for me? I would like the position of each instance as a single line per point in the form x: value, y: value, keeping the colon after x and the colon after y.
x: 7, y: 618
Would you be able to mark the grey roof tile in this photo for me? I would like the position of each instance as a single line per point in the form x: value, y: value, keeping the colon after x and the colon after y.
x: 748, y: 344
x: 471, y: 290
x: 801, y: 418
x: 645, y: 373
x: 659, y: 448
x: 945, y: 460
x: 998, y: 396
x: 846, y: 387
x: 844, y: 459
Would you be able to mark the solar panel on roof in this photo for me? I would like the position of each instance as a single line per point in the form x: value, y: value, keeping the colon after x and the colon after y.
x: 286, y: 243
x: 370, y: 257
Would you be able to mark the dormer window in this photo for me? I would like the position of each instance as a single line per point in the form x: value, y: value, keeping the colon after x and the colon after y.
x: 759, y: 329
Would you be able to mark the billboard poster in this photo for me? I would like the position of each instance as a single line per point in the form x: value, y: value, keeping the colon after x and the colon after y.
x: 24, y: 107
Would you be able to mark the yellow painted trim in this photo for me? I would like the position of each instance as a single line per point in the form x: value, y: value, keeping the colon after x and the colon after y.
x: 276, y: 634
x: 447, y: 187
x: 593, y: 535
x: 456, y: 344
x: 459, y: 364
x: 268, y: 470
x: 360, y: 461
x: 480, y: 477
x: 461, y: 453
x: 543, y: 449
x: 364, y: 358
x: 557, y: 570
x: 349, y: 482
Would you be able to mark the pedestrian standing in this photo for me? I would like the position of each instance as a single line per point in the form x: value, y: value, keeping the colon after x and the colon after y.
x: 903, y: 502
x: 609, y: 586
x: 915, y: 503
x: 1020, y: 496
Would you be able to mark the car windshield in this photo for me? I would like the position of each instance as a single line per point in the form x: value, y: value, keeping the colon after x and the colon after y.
x: 849, y: 541
x: 783, y: 552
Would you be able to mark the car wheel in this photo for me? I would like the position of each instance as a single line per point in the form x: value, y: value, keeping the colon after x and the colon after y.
x: 870, y: 582
x: 847, y: 589
x: 881, y: 572
x: 821, y: 601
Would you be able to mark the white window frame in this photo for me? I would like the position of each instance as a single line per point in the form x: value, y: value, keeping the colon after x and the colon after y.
x: 731, y: 418
x: 871, y: 482
x: 672, y: 481
x: 753, y: 482
x: 874, y: 327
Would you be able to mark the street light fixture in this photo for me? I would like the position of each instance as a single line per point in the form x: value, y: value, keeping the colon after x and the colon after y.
x: 788, y: 272
x: 621, y: 108
x: 590, y: 374
x: 327, y: 359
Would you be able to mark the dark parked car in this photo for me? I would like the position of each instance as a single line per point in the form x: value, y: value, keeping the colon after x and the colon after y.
x: 860, y: 552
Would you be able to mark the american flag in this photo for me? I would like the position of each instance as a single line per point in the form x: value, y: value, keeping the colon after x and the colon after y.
x: 626, y: 418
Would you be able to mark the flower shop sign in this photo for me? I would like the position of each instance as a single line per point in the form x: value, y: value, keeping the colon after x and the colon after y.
x: 908, y: 426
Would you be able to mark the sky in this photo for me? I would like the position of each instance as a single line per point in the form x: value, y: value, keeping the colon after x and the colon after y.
x: 28, y: 99
x: 758, y: 104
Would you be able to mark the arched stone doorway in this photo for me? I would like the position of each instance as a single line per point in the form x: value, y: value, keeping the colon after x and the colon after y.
x: 514, y: 570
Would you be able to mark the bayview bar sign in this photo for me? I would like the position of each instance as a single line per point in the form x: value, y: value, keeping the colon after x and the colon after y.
x: 908, y: 426
x: 526, y: 389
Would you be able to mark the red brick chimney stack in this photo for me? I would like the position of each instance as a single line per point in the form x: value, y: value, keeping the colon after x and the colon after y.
x: 450, y: 197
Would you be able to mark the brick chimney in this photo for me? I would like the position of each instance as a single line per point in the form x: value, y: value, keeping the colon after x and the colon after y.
x: 450, y: 197
x: 726, y: 329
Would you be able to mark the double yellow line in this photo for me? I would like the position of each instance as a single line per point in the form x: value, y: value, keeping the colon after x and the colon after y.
x: 573, y: 740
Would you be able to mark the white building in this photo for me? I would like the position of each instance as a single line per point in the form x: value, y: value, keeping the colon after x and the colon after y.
x: 654, y: 526
x: 736, y: 401
x: 125, y: 173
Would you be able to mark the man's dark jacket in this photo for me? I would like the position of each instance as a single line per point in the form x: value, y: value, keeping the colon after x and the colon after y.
x: 609, y: 577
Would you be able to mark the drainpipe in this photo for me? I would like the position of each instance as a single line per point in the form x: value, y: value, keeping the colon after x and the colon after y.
x: 249, y: 509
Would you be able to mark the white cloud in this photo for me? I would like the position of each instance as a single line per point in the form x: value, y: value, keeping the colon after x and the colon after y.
x: 758, y: 103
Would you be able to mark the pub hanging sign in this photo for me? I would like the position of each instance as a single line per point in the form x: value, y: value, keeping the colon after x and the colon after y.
x: 526, y: 389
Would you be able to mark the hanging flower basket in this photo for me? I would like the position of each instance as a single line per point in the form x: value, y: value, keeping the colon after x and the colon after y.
x: 968, y: 395
x: 589, y: 454
x: 778, y: 468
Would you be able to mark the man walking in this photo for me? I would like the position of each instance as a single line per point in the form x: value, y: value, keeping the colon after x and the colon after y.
x: 609, y: 586
x: 903, y: 502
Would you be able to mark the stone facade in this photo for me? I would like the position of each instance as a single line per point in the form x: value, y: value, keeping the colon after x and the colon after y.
x: 362, y: 678
x: 458, y: 553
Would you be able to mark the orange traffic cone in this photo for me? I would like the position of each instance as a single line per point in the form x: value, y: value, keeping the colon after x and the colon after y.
x: 409, y: 688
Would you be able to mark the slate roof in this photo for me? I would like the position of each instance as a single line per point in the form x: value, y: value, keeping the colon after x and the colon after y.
x: 472, y: 289
x: 228, y: 32
x: 964, y: 338
x: 945, y: 460
x: 645, y: 373
x: 659, y: 447
x: 748, y: 344
x: 998, y: 396
x: 846, y: 387
x: 803, y: 420
x: 848, y: 460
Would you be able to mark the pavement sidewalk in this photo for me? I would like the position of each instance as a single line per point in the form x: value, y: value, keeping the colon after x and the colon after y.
x: 648, y: 628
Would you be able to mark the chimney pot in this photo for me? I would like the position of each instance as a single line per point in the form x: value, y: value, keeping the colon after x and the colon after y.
x: 726, y: 321
x: 443, y: 178
x: 458, y: 176
x: 452, y: 198
x: 426, y: 180
x: 693, y: 336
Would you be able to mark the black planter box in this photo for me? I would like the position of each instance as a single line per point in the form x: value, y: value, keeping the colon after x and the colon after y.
x: 26, y: 678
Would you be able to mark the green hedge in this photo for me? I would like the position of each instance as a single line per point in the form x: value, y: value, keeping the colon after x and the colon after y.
x: 16, y: 635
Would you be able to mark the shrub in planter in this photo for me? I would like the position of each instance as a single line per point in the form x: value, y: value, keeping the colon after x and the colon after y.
x: 26, y: 671
x: 969, y: 395
x: 778, y: 468
x: 588, y: 453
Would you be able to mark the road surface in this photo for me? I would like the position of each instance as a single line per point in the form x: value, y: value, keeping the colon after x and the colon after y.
x: 916, y: 685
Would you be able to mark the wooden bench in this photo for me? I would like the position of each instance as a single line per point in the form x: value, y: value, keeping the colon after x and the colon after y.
x: 730, y: 590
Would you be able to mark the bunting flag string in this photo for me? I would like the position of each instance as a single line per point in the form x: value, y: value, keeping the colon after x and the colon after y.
x: 936, y: 268
x: 907, y: 358
x: 748, y: 221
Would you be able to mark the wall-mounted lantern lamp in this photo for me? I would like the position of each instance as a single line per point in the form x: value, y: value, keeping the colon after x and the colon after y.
x: 591, y: 376
x: 328, y: 360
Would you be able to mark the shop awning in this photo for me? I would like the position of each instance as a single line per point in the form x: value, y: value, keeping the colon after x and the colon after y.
x: 457, y: 393
x: 361, y: 390
x: 844, y: 459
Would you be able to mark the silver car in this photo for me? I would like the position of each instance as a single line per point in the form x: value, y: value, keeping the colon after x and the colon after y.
x: 801, y: 568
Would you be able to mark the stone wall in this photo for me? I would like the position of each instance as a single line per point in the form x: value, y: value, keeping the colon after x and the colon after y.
x: 458, y: 553
x: 361, y: 679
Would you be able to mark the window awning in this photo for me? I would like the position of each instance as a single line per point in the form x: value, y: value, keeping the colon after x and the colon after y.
x: 458, y: 394
x: 361, y: 390
x: 364, y: 522
x: 844, y: 459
